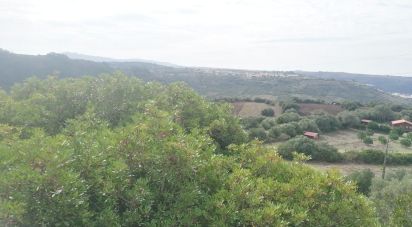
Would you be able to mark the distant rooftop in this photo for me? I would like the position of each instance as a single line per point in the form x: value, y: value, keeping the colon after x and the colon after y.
x: 401, y: 122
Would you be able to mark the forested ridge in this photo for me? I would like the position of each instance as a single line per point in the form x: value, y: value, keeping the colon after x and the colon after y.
x: 115, y: 151
x: 210, y: 82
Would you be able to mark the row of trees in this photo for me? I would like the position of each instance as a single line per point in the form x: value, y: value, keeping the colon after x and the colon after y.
x: 291, y: 124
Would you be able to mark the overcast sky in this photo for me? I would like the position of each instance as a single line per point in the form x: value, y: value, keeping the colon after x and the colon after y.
x: 364, y: 36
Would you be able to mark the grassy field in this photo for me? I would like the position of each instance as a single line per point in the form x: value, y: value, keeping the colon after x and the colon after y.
x: 347, y: 140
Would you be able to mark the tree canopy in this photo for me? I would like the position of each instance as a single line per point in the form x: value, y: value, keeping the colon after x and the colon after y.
x: 114, y: 151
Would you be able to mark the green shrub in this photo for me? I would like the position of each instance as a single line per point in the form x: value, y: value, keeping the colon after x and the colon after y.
x: 393, y: 199
x: 287, y: 118
x: 363, y: 180
x: 257, y: 133
x: 268, y: 112
x: 373, y: 126
x: 291, y: 129
x: 289, y: 104
x: 384, y: 128
x: 349, y: 119
x: 398, y: 131
x: 383, y: 139
x: 308, y: 125
x: 362, y: 135
x: 393, y: 136
x: 327, y: 122
x: 405, y: 142
x: 367, y: 140
x: 283, y: 137
x: 400, y: 158
x: 351, y: 105
x: 274, y: 133
x: 369, y: 132
x: 298, y: 144
x: 226, y: 132
x: 372, y: 156
x: 326, y: 152
x: 251, y: 122
x: 268, y: 123
x: 382, y: 113
x: 317, y: 151
x: 397, y: 174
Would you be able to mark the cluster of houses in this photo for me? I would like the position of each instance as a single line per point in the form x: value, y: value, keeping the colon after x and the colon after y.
x: 404, y: 124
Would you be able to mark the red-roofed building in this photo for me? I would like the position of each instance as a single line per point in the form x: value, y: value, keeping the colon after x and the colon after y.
x: 406, y: 125
x: 311, y: 135
x: 365, y: 121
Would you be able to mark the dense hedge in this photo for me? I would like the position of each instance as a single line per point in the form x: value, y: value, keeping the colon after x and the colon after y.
x: 317, y: 151
x: 372, y: 156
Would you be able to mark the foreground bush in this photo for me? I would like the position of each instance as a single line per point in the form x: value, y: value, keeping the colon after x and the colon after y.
x: 393, y: 199
x: 163, y: 166
x: 153, y: 173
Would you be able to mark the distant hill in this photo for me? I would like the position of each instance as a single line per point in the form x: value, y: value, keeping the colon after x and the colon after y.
x: 105, y: 59
x: 211, y: 82
x: 391, y: 84
x: 239, y: 83
x: 17, y: 67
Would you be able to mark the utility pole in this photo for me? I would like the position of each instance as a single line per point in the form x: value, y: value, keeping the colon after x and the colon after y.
x: 384, y: 159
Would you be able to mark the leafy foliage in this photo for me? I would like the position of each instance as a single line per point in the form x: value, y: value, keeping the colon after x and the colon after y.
x: 367, y: 140
x: 393, y: 198
x: 317, y: 151
x: 163, y: 157
x: 372, y: 156
x: 405, y: 142
x: 258, y: 133
x: 268, y: 112
x: 363, y: 180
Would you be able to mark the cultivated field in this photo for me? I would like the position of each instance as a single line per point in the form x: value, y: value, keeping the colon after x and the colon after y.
x: 347, y: 140
x: 307, y: 108
x: 253, y: 109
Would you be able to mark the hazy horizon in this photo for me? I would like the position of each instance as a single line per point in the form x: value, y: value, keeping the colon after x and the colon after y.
x: 369, y: 37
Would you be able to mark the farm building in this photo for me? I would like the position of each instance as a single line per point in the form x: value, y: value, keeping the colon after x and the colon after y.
x: 311, y: 135
x: 365, y: 121
x: 406, y: 125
